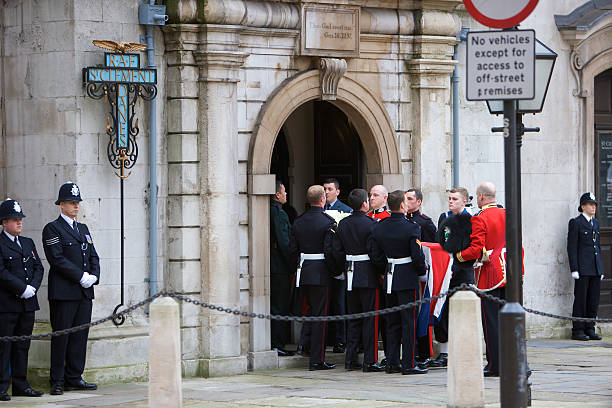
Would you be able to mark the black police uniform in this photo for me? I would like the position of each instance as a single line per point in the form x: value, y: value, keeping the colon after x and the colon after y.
x: 19, y: 266
x: 398, y: 237
x: 312, y: 234
x: 280, y: 286
x: 584, y: 253
x: 352, y: 238
x: 70, y: 252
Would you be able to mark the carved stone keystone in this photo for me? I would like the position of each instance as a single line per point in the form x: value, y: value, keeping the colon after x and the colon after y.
x: 332, y: 70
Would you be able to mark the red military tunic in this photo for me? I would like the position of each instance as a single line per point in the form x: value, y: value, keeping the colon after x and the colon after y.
x: 488, y: 243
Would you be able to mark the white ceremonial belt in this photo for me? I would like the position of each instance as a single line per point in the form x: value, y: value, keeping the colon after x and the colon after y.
x: 349, y: 272
x: 306, y: 257
x: 393, y: 262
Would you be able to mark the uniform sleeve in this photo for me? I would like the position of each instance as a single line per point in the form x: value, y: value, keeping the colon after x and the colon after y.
x: 282, y: 229
x: 429, y: 232
x: 377, y: 255
x: 94, y: 263
x: 39, y: 270
x: 338, y: 251
x: 477, y: 241
x: 418, y: 258
x: 328, y: 250
x: 10, y: 281
x: 573, y: 236
x: 55, y: 255
x: 294, y: 252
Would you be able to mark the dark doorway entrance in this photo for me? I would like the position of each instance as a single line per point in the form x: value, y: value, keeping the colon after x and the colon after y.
x: 603, y: 175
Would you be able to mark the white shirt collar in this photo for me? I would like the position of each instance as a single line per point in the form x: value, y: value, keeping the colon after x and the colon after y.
x: 587, y: 217
x: 67, y: 219
x: 9, y: 235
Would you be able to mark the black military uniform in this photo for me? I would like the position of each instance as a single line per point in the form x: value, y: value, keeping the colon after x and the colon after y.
x: 280, y: 285
x: 351, y: 252
x: 311, y: 237
x: 584, y: 253
x: 70, y: 252
x: 21, y: 274
x: 396, y: 249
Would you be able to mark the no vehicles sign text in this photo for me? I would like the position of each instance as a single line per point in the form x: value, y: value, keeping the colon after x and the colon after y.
x: 500, y: 65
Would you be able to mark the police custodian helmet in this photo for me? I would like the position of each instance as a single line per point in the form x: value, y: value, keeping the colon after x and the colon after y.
x: 69, y: 192
x: 10, y: 209
x: 586, y: 198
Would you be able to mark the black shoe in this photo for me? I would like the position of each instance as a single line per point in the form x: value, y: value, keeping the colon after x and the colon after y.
x: 339, y: 348
x: 391, y: 369
x: 414, y: 370
x: 4, y: 396
x: 592, y: 335
x: 441, y: 361
x: 56, y: 389
x: 82, y: 385
x: 321, y: 366
x: 302, y: 351
x: 28, y: 392
x: 282, y: 352
x: 489, y: 373
x: 383, y: 362
x: 424, y: 364
x: 580, y: 336
x: 352, y: 365
x: 373, y: 368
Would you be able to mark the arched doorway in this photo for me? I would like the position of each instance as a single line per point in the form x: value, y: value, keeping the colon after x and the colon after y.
x: 381, y: 164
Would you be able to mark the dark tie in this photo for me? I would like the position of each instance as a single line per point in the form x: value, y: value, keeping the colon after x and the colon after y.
x: 74, y: 226
x: 327, y: 206
x: 591, y: 222
x: 17, y: 242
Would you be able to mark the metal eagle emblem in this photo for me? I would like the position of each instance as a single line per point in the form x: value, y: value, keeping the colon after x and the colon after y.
x: 16, y: 207
x: 121, y: 47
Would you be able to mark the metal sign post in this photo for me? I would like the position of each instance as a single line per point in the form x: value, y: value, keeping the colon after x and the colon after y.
x: 121, y: 82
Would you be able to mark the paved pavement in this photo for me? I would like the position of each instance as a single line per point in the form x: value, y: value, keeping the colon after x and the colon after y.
x: 566, y: 374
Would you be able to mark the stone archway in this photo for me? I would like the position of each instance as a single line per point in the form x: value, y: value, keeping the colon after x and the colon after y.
x: 383, y: 164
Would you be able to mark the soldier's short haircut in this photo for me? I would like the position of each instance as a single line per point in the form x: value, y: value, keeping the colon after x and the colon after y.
x: 356, y: 198
x: 487, y: 189
x: 461, y: 190
x: 332, y: 180
x: 279, y: 184
x: 395, y: 200
x: 417, y: 193
x: 314, y: 194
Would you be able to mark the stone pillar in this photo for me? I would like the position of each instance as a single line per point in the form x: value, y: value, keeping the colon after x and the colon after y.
x: 165, y: 355
x: 465, y: 378
x: 218, y: 58
x: 184, y: 201
x: 429, y: 67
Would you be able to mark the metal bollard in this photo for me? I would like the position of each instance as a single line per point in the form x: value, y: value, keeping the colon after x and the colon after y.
x: 165, y: 389
x: 465, y: 377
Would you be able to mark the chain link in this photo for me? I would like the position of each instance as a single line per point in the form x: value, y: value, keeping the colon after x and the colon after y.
x: 253, y: 315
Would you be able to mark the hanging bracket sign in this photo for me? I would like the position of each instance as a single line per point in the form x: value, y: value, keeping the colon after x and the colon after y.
x: 500, y: 13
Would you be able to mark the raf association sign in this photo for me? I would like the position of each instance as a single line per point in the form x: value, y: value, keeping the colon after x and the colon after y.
x: 330, y: 31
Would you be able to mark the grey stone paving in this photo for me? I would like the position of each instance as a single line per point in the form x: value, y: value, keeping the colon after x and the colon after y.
x: 566, y: 374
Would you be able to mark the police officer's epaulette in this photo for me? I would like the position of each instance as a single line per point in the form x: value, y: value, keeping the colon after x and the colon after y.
x: 329, y: 216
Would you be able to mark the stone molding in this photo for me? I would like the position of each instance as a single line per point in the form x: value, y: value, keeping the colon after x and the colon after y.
x: 332, y: 71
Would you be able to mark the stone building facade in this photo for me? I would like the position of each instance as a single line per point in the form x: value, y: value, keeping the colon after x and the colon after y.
x: 233, y: 76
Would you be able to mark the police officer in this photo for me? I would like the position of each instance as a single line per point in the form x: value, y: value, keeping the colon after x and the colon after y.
x: 21, y: 274
x: 280, y: 286
x: 74, y: 269
x: 584, y: 253
x: 311, y: 250
x: 396, y: 249
x: 351, y: 253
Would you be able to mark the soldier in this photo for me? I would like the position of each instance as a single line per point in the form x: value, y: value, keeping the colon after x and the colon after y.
x: 74, y: 269
x: 351, y: 253
x: 395, y: 245
x: 584, y: 253
x: 454, y: 229
x: 21, y: 274
x: 487, y: 243
x: 311, y: 249
x: 280, y: 285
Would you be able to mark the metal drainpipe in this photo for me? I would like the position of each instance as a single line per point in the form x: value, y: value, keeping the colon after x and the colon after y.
x: 455, y: 85
x: 152, y: 170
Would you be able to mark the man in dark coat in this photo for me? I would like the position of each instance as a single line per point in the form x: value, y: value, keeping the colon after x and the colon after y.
x: 21, y: 274
x: 75, y: 268
x: 584, y: 253
x: 396, y: 250
x: 311, y: 250
x: 351, y: 252
x: 454, y: 229
x: 280, y: 284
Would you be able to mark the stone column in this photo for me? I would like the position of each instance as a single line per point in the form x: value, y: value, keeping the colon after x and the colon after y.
x: 219, y: 58
x: 429, y: 67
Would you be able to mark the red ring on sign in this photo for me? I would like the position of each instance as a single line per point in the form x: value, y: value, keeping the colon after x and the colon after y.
x: 495, y: 23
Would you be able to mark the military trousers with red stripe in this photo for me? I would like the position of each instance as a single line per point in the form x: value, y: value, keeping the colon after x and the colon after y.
x: 401, y: 329
x: 317, y: 299
x: 360, y: 300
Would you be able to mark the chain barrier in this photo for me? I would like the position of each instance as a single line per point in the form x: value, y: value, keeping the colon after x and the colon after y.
x: 184, y: 298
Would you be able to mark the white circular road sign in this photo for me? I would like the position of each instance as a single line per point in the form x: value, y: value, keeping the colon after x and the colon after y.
x: 500, y: 13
